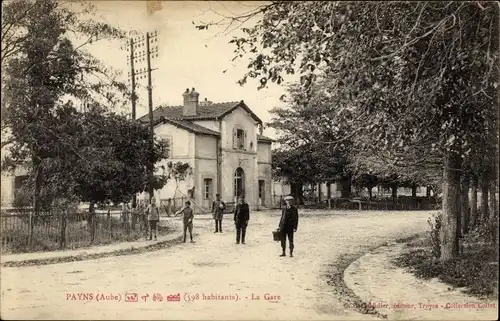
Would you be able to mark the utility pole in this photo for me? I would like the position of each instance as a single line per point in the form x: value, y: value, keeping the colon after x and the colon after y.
x: 151, y: 53
x: 132, y: 75
x: 150, y: 105
x: 136, y: 57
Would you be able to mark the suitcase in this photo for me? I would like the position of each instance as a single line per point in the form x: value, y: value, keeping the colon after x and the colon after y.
x: 276, y: 236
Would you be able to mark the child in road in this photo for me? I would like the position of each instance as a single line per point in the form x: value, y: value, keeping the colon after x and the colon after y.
x: 187, y: 219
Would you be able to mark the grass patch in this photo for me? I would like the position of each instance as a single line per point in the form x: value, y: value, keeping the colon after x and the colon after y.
x: 409, y: 238
x: 47, y: 234
x: 335, y: 278
x: 476, y: 270
x: 130, y: 251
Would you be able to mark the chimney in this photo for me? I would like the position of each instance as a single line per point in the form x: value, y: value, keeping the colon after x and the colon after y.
x: 190, y: 102
x: 206, y: 102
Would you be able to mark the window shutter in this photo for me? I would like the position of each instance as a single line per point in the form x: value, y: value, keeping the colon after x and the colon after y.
x: 245, y: 140
x: 235, y: 138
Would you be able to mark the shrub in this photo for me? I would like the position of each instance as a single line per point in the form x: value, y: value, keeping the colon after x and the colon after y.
x: 435, y: 225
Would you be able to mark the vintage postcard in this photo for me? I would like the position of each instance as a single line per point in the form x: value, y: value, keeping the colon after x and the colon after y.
x: 249, y: 160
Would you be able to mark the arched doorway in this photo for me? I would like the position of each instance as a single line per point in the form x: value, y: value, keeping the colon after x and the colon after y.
x: 239, y: 183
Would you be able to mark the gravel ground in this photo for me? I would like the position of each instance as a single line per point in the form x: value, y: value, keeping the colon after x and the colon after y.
x: 286, y: 288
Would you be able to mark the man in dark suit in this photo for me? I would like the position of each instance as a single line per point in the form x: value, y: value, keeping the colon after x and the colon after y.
x: 241, y: 218
x: 288, y: 225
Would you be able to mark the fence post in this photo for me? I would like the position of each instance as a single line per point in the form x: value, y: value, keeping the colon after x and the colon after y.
x: 109, y: 223
x: 30, y: 227
x: 134, y: 218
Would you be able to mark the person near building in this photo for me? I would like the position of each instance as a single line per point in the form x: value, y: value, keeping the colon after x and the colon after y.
x: 241, y: 218
x: 218, y: 208
x: 288, y: 225
x: 187, y: 220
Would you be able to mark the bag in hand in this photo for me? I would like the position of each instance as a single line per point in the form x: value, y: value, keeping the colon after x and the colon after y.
x: 276, y: 236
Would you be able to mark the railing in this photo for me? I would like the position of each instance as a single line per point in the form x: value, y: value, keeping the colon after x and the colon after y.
x: 55, y: 231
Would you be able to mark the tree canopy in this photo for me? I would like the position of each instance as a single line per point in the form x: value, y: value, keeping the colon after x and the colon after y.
x: 409, y: 78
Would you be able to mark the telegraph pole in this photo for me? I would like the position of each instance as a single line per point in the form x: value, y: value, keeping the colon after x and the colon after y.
x: 150, y: 105
x: 137, y: 56
x: 132, y: 73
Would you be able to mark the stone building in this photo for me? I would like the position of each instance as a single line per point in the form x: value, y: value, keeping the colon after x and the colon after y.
x: 224, y: 145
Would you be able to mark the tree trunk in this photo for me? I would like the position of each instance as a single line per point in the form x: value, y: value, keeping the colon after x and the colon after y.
x: 414, y: 191
x: 91, y: 222
x: 34, y: 213
x: 370, y: 192
x: 319, y: 193
x: 485, y: 182
x: 329, y: 194
x: 345, y: 186
x: 394, y: 189
x: 62, y: 240
x: 451, y: 207
x: 493, y: 219
x: 493, y: 201
x: 297, y: 193
x: 473, y: 203
x: 428, y: 191
x: 465, y: 206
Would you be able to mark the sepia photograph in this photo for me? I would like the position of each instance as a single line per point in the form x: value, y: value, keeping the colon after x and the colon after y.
x: 249, y: 160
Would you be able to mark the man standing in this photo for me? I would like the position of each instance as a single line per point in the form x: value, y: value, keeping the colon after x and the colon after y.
x: 187, y: 220
x: 241, y: 218
x: 218, y: 207
x: 153, y: 218
x: 288, y: 225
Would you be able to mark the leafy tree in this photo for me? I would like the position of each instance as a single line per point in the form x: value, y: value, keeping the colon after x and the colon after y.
x: 408, y: 74
x: 306, y: 128
x: 43, y: 67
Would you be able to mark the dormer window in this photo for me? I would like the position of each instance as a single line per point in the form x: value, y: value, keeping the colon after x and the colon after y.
x: 239, y: 139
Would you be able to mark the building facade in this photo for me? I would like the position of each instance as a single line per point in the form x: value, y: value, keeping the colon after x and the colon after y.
x: 224, y: 146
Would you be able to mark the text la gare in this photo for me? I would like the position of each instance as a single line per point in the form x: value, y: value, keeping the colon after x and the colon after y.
x: 267, y: 297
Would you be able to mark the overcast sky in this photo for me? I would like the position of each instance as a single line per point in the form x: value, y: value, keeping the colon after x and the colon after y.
x: 188, y: 57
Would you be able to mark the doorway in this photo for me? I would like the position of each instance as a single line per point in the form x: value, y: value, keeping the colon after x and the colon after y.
x: 239, y: 183
x: 262, y: 192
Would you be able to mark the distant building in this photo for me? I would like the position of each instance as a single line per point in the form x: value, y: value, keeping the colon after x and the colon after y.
x: 11, y: 185
x: 224, y: 145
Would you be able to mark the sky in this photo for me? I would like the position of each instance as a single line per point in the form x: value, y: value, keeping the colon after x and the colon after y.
x: 188, y: 57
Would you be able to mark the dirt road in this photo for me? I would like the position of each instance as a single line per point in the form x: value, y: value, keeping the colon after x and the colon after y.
x: 216, y: 278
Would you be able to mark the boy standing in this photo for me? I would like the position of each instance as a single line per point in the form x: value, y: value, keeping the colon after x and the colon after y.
x: 153, y: 218
x: 187, y: 219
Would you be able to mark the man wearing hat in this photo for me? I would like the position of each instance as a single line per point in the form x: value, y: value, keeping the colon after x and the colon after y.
x: 288, y: 225
x: 187, y: 220
x: 218, y: 207
x: 241, y: 218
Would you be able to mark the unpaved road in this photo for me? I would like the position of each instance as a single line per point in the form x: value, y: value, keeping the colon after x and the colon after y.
x: 213, y: 265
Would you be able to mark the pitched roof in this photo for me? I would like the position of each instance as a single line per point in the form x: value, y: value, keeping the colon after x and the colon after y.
x: 264, y: 139
x: 204, y: 111
x: 190, y: 126
x: 174, y: 115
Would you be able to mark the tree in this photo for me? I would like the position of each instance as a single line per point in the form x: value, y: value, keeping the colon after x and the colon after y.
x: 179, y: 171
x: 42, y: 66
x: 408, y: 74
x: 121, y: 152
x: 305, y: 127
